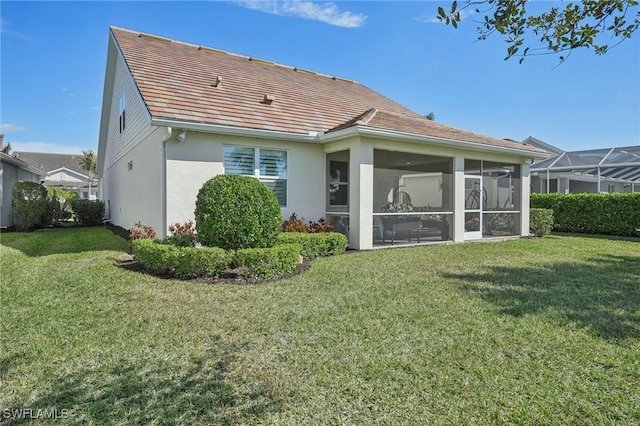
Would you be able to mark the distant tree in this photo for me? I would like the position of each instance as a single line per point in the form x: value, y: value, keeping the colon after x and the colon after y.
x: 88, y: 163
x: 431, y: 116
x: 597, y: 24
x: 7, y: 149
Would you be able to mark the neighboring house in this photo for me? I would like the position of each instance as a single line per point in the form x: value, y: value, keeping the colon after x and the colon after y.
x: 176, y: 114
x: 593, y: 170
x: 63, y: 171
x: 551, y: 150
x: 13, y: 170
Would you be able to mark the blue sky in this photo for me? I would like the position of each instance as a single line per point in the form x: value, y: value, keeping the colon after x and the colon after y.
x: 53, y: 58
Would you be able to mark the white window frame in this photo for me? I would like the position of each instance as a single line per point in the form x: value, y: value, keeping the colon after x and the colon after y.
x: 256, y: 168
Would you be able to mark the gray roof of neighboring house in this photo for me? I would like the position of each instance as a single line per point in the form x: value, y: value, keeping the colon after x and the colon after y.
x: 49, y: 162
x: 6, y: 158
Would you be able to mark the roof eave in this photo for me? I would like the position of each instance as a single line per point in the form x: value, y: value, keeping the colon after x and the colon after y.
x: 475, y: 146
x: 235, y: 131
x: 22, y: 164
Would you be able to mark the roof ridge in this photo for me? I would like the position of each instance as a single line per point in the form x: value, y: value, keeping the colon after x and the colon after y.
x: 367, y: 116
x: 239, y: 55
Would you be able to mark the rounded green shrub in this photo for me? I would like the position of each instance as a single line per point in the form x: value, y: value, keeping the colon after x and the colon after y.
x: 236, y: 212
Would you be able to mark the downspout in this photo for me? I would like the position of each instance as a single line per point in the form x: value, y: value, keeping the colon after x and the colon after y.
x: 163, y: 180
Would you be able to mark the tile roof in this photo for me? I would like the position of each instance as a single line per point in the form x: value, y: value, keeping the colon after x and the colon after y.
x: 422, y: 126
x: 178, y: 81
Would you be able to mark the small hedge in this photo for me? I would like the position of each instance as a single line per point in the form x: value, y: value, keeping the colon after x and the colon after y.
x: 540, y: 222
x: 180, y: 262
x: 267, y: 262
x: 315, y: 245
x: 588, y: 213
x: 88, y: 212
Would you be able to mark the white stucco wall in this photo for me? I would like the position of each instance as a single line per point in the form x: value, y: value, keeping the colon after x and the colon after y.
x: 200, y: 157
x: 134, y: 193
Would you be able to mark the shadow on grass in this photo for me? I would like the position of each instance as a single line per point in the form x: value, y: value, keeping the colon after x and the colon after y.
x: 49, y: 241
x: 601, y: 295
x: 139, y: 391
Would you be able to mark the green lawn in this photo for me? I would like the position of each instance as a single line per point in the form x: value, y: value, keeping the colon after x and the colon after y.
x: 532, y: 331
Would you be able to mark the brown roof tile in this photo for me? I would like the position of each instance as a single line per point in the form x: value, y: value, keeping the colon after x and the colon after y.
x: 176, y: 81
x: 424, y: 127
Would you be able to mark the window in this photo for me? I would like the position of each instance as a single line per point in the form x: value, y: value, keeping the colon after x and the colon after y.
x: 130, y: 166
x: 268, y: 165
x: 121, y: 111
x: 338, y: 183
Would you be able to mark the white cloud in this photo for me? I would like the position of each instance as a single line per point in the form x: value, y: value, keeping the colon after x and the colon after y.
x: 323, y: 12
x: 7, y: 32
x: 11, y: 128
x: 433, y: 19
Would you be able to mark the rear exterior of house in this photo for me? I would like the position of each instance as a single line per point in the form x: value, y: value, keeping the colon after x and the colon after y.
x: 175, y: 115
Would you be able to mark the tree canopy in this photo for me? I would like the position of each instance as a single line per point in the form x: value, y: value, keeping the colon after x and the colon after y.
x: 597, y: 24
x: 88, y: 162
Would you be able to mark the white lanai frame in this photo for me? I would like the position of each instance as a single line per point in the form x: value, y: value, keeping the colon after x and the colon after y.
x: 610, y: 164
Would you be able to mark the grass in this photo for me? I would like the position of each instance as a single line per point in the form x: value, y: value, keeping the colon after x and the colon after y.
x: 532, y: 331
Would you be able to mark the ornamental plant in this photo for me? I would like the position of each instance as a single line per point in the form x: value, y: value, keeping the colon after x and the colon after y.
x: 141, y: 231
x: 237, y: 212
x: 182, y: 235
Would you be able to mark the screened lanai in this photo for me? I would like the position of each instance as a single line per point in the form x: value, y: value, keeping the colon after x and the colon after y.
x: 597, y: 170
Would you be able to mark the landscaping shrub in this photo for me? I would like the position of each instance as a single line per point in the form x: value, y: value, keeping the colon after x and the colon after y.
x: 540, y: 222
x: 293, y: 224
x: 64, y: 198
x: 609, y: 214
x: 267, y: 262
x: 316, y: 244
x: 237, y: 212
x: 182, y: 235
x: 141, y: 232
x: 88, y: 212
x: 31, y: 206
x: 180, y: 262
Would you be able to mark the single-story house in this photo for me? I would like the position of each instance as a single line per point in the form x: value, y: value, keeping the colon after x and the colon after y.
x: 13, y: 170
x: 63, y: 171
x: 612, y: 169
x: 175, y: 114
